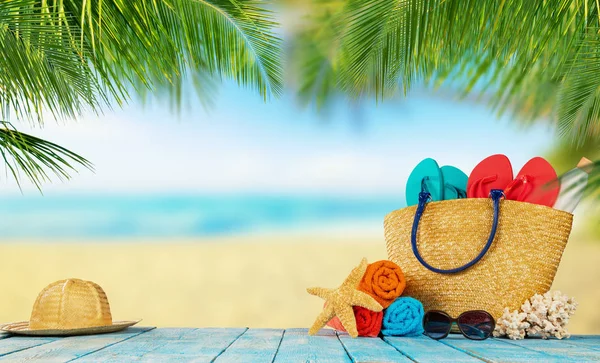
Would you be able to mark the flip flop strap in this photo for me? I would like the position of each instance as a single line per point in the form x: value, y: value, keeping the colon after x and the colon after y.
x: 424, y: 197
x: 424, y: 187
x: 477, y: 187
x: 524, y: 180
x: 459, y: 192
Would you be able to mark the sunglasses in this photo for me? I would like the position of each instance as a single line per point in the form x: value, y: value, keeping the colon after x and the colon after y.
x: 474, y: 324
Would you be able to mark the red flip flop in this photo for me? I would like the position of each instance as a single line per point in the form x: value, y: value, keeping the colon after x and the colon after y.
x: 493, y: 172
x: 535, y: 183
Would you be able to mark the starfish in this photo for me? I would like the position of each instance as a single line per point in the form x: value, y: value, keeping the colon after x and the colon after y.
x: 339, y: 301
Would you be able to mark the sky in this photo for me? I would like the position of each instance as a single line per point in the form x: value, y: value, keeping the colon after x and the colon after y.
x: 243, y: 145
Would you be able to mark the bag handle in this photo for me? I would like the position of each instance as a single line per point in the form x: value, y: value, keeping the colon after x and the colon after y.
x: 424, y: 198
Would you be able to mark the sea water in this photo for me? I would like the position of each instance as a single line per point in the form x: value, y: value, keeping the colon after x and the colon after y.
x: 118, y: 216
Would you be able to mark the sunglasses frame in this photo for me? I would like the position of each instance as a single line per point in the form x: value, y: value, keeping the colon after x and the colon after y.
x: 455, y: 320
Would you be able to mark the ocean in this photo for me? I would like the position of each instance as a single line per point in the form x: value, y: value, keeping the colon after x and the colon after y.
x: 119, y: 216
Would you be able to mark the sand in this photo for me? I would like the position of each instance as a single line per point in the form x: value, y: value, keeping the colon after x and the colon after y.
x: 225, y: 282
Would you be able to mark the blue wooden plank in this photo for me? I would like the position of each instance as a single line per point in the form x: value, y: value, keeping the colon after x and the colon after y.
x: 585, y: 341
x: 495, y: 350
x: 424, y: 349
x: 15, y: 344
x: 294, y: 345
x: 363, y: 349
x: 169, y: 345
x: 201, y: 345
x: 559, y: 348
x: 254, y: 346
x: 134, y: 348
x: 298, y: 346
x: 69, y: 348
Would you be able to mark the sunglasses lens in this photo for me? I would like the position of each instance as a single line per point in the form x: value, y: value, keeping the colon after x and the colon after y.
x: 436, y: 325
x: 476, y: 325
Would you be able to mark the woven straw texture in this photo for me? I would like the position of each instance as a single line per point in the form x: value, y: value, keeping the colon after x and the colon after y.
x: 70, y: 304
x: 522, y: 261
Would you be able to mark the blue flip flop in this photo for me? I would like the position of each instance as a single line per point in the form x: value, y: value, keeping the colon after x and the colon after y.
x: 426, y: 177
x: 455, y: 182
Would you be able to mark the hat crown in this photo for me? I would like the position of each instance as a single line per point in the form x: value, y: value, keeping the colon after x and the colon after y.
x: 70, y: 304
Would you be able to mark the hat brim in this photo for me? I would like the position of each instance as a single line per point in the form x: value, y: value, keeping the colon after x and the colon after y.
x: 22, y: 328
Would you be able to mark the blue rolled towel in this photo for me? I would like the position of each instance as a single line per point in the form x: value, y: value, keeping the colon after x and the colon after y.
x: 403, y: 318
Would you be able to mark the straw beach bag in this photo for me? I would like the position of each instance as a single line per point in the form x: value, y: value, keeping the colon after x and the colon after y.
x: 470, y: 254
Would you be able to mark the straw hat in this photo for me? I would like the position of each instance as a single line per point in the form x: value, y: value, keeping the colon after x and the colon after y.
x: 69, y: 307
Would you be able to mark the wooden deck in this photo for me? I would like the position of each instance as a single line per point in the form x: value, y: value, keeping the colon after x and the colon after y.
x: 292, y: 345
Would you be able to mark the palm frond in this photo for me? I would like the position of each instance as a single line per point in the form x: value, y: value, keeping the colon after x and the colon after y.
x: 64, y: 55
x: 314, y: 53
x: 35, y: 157
x: 579, y: 98
x: 524, y: 56
x: 68, y: 56
x: 39, y: 68
x: 156, y: 44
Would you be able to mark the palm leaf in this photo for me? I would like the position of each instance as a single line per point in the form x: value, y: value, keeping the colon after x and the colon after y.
x: 314, y: 53
x: 579, y: 98
x: 39, y: 69
x: 523, y: 56
x: 65, y: 56
x: 36, y: 158
x: 155, y: 44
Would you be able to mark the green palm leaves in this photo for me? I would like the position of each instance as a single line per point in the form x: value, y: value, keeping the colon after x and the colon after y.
x: 34, y: 157
x: 153, y: 45
x: 539, y: 59
x: 579, y: 99
x: 66, y: 56
x: 40, y: 69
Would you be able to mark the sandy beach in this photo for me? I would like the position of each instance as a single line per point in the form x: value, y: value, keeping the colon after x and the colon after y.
x: 226, y: 282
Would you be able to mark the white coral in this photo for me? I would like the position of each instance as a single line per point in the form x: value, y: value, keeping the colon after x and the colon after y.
x: 511, y: 324
x: 542, y: 315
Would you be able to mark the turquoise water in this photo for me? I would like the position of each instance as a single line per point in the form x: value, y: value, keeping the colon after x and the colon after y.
x: 181, y: 216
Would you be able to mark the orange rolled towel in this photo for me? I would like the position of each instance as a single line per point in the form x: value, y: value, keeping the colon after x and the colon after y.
x: 384, y: 281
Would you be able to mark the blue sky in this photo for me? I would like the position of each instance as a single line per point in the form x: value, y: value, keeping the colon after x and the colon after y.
x: 243, y: 145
